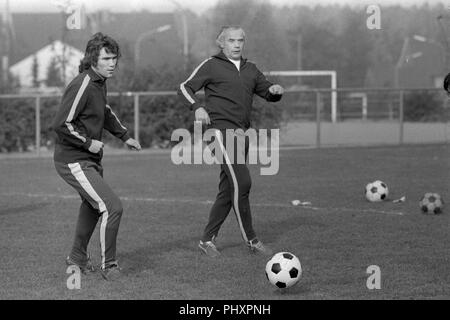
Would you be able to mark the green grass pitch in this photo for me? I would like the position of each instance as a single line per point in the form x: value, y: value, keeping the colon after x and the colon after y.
x: 166, y: 207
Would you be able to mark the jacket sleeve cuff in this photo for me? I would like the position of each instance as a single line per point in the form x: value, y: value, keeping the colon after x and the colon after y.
x: 125, y: 137
x: 195, y: 106
x: 87, y: 144
x: 273, y: 97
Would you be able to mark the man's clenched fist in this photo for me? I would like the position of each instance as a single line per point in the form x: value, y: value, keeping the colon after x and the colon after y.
x: 95, y: 146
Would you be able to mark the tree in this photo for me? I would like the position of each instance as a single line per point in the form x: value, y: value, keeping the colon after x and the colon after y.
x: 54, y: 78
x: 355, y: 47
x: 35, y: 72
x: 266, y: 44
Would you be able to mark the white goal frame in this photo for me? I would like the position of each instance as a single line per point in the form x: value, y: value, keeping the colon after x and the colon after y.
x: 300, y: 73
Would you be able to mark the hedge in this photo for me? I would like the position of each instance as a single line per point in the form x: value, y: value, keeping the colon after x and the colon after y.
x: 159, y: 116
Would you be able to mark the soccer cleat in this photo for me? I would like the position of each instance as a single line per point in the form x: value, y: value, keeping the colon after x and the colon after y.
x: 257, y: 246
x: 85, y: 269
x: 209, y: 248
x: 111, y: 272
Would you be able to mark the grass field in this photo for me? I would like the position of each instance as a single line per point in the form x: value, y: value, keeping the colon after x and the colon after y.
x: 166, y: 207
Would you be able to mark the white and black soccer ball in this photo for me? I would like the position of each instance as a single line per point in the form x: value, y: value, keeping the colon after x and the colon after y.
x: 431, y: 203
x: 283, y: 270
x: 376, y: 191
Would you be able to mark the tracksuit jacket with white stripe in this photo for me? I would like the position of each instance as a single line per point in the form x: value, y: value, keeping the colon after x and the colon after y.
x: 228, y: 91
x: 82, y: 116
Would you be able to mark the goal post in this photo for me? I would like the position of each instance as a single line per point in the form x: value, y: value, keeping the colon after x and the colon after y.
x: 299, y: 73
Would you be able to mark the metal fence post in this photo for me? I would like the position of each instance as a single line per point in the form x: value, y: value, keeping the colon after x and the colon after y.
x: 318, y: 120
x: 364, y: 107
x: 136, y: 116
x: 400, y: 117
x: 38, y: 124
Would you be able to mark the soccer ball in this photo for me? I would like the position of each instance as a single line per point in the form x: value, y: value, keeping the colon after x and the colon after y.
x: 283, y: 270
x: 431, y: 203
x: 376, y: 191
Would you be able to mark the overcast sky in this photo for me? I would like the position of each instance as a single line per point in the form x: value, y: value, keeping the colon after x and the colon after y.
x: 197, y: 6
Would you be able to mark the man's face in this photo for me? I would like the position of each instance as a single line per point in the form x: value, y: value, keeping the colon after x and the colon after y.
x: 233, y: 44
x: 106, y: 63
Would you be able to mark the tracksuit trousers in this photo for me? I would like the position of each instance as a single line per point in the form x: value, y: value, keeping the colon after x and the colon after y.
x: 98, y: 200
x: 234, y: 187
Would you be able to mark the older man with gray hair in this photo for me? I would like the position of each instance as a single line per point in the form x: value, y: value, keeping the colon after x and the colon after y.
x: 229, y: 82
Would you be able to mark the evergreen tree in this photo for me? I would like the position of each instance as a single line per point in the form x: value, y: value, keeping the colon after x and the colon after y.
x: 35, y: 72
x: 54, y: 78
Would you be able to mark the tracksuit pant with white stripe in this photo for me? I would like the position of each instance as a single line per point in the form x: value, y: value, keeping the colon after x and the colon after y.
x: 234, y: 189
x: 98, y: 200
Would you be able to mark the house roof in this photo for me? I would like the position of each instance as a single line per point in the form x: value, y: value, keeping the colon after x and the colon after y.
x: 35, y: 30
x: 51, y: 53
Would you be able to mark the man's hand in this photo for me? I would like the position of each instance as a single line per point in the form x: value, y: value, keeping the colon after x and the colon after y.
x: 202, y: 116
x: 276, y: 89
x: 95, y: 146
x: 133, y: 144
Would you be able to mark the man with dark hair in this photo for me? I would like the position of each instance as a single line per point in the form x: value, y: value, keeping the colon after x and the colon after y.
x: 230, y: 82
x: 79, y: 122
x: 92, y: 51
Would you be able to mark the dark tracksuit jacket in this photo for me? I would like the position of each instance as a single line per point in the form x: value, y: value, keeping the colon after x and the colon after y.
x: 228, y: 101
x: 228, y: 91
x: 82, y: 116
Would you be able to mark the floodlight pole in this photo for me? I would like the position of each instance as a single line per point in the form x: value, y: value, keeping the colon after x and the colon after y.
x: 440, y: 19
x: 185, y: 32
x: 7, y: 43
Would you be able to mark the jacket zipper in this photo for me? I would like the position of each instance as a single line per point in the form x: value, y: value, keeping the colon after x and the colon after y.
x: 247, y: 112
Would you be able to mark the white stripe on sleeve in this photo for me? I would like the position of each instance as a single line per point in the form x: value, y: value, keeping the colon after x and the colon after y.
x: 182, y: 86
x: 118, y: 121
x: 74, y: 107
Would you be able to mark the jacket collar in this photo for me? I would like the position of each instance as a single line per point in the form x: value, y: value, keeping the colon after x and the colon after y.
x: 95, y: 76
x: 222, y: 56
